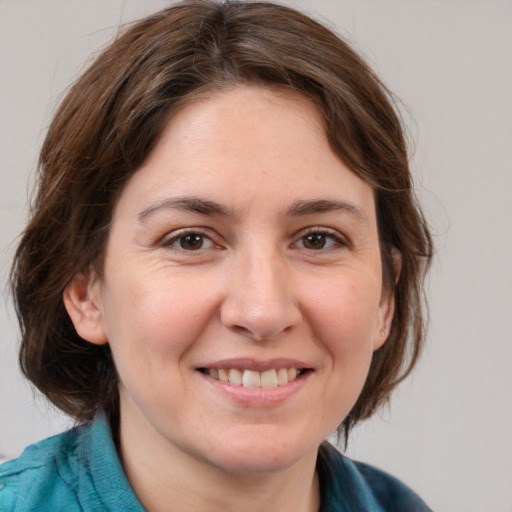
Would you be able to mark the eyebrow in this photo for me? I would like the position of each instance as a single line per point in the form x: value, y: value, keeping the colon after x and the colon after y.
x: 212, y: 208
x: 191, y: 204
x: 326, y: 205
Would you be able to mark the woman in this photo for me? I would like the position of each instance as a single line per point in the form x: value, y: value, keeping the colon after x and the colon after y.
x: 223, y: 265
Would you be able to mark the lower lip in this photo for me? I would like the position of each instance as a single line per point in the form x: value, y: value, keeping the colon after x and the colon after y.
x: 258, y: 397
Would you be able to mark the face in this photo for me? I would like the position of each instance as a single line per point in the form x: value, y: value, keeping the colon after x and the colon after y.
x: 242, y: 288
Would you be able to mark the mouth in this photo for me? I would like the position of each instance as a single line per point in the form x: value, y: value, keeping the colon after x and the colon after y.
x: 270, y: 378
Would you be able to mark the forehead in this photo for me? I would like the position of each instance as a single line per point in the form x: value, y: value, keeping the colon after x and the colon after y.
x: 247, y: 145
x: 236, y: 118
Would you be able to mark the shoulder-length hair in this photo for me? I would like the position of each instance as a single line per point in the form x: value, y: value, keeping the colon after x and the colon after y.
x: 110, y: 120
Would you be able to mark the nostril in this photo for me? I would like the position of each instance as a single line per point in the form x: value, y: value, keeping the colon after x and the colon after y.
x: 260, y: 310
x: 244, y: 331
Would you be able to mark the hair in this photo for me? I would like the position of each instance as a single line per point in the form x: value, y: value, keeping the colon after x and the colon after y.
x: 108, y: 124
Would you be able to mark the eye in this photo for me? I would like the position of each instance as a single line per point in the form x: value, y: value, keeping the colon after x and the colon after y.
x: 189, y: 241
x: 319, y: 239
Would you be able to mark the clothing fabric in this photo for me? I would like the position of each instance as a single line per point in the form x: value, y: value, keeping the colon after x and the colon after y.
x: 79, y: 470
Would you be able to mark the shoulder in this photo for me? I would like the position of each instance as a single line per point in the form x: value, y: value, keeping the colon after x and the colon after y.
x: 390, y: 492
x: 74, y: 471
x: 45, y: 469
x: 349, y: 485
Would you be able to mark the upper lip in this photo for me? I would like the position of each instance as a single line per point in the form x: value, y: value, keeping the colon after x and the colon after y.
x: 256, y: 365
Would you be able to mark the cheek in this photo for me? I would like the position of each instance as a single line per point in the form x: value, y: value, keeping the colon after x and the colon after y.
x: 343, y: 314
x: 152, y: 324
x: 154, y: 317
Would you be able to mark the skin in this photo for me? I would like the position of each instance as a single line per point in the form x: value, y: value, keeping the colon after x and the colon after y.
x: 285, y: 264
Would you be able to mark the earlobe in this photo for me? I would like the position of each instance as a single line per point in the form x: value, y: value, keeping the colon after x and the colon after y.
x: 396, y: 256
x: 387, y: 304
x: 82, y: 302
x: 385, y: 317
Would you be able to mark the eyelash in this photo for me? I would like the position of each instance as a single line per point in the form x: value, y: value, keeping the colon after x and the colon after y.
x: 338, y: 241
x: 174, y: 241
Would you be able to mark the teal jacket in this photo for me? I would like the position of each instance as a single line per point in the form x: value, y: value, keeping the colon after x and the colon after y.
x: 79, y: 470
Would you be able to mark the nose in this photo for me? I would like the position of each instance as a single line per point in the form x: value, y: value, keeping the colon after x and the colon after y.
x: 260, y: 303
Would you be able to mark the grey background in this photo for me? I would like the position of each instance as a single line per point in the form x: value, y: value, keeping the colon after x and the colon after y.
x: 448, y: 433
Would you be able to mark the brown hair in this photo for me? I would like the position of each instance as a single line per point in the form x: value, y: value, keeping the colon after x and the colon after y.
x: 111, y: 119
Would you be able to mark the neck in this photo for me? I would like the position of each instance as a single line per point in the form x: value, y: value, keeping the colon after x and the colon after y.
x: 160, y: 474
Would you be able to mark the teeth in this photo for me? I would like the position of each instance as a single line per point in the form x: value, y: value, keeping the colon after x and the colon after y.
x: 254, y: 379
x: 235, y: 377
x: 282, y: 376
x: 269, y: 379
x: 251, y: 379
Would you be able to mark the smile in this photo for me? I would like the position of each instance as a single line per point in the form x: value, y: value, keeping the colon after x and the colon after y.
x: 253, y: 378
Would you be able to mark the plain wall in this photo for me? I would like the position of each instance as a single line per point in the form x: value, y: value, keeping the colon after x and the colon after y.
x: 448, y: 433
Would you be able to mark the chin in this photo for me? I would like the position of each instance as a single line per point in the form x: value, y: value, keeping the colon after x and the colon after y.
x: 261, y: 453
x: 256, y: 463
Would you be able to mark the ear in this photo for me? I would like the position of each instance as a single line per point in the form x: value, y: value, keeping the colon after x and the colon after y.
x: 82, y: 301
x: 386, y: 308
